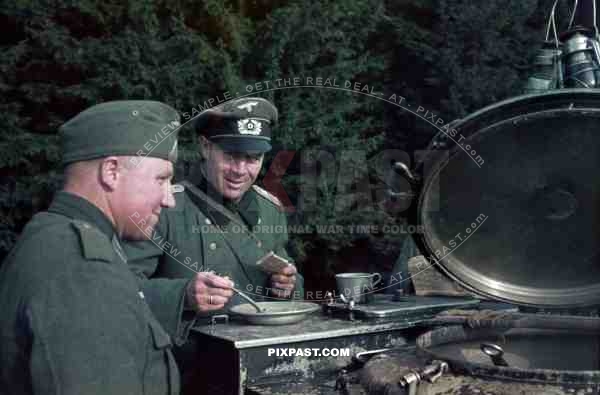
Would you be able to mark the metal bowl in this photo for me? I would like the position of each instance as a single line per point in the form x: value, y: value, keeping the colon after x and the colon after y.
x: 276, y: 313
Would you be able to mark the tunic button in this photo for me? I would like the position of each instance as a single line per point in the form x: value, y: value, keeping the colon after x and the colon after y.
x: 207, y: 221
x: 212, y: 246
x: 259, y: 244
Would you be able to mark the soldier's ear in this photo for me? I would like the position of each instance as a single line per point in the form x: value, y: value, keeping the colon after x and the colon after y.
x: 110, y: 171
x: 205, y: 146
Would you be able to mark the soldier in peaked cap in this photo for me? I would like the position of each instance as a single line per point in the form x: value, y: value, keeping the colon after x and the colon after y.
x: 75, y: 318
x: 217, y: 223
x: 239, y: 126
x: 223, y: 222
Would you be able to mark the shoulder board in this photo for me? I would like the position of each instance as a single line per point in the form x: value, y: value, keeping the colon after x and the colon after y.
x: 177, y: 188
x: 267, y: 195
x: 94, y: 244
x: 177, y: 191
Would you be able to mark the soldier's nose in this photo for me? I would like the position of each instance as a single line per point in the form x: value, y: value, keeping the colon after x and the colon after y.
x: 168, y: 200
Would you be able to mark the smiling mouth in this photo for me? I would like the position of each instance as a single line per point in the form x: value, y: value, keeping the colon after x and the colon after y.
x: 235, y: 183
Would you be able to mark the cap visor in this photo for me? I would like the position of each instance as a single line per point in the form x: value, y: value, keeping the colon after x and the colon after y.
x: 242, y: 145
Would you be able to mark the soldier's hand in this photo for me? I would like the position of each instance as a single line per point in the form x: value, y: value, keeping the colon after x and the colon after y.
x: 284, y: 281
x: 208, y: 292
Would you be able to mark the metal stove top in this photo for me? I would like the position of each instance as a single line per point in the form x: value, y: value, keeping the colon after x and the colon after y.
x: 388, y: 307
x: 337, y: 320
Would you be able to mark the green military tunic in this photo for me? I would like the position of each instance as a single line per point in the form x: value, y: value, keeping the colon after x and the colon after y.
x: 197, y: 236
x: 74, y: 318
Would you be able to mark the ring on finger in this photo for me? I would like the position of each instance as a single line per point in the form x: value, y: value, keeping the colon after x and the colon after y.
x: 210, y: 300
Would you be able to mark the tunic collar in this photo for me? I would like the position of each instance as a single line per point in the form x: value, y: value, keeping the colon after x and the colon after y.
x: 246, y: 208
x: 76, y: 207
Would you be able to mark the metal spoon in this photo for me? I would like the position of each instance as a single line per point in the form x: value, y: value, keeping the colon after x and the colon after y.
x: 249, y: 300
x: 243, y: 295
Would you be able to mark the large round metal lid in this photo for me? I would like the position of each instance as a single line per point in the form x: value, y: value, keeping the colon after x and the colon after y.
x: 511, y: 208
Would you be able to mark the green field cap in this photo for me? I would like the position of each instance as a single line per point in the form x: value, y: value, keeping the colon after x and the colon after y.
x: 130, y: 127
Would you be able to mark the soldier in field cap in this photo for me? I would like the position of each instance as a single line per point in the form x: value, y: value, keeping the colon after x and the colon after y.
x: 74, y: 317
x: 224, y: 223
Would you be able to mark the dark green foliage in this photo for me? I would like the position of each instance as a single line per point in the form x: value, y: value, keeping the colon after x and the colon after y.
x: 62, y: 58
x: 332, y: 40
x: 485, y: 49
x: 450, y: 57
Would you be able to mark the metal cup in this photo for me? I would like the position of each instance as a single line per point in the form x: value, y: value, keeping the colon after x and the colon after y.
x: 358, y: 287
